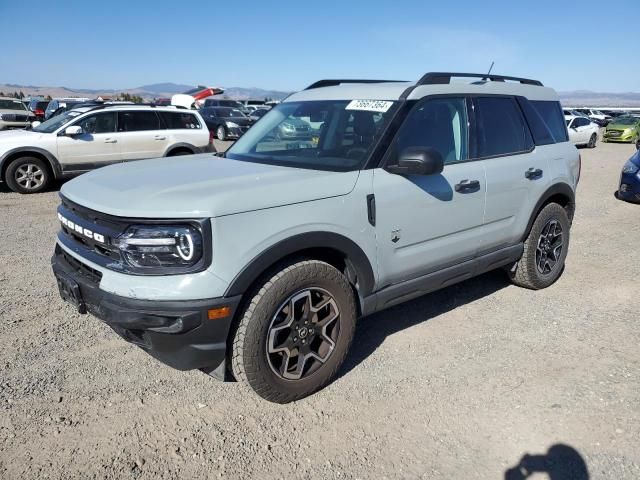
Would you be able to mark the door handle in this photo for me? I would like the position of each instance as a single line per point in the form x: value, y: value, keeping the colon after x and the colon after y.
x: 533, y: 173
x: 160, y: 137
x: 467, y: 185
x: 111, y: 140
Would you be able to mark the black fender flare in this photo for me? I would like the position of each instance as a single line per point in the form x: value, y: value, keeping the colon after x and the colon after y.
x: 56, y: 168
x: 556, y: 189
x: 355, y: 259
x: 188, y: 146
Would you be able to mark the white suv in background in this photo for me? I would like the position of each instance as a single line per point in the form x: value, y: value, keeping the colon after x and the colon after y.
x: 582, y: 131
x: 91, y: 137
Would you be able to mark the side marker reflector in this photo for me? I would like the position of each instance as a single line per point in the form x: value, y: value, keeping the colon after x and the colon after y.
x: 217, y: 313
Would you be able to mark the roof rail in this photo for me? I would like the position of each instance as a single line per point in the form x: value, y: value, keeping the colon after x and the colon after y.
x: 333, y: 83
x: 434, y: 78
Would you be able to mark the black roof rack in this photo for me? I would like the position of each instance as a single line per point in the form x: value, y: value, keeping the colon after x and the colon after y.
x: 437, y: 78
x: 333, y: 83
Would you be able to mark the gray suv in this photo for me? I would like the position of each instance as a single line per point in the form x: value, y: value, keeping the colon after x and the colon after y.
x: 257, y: 265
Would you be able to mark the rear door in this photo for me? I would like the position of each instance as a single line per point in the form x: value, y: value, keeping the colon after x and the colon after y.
x: 427, y: 222
x: 95, y: 147
x: 184, y: 127
x: 517, y: 171
x: 141, y: 135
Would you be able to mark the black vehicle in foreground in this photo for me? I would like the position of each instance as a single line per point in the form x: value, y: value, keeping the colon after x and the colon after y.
x: 226, y: 122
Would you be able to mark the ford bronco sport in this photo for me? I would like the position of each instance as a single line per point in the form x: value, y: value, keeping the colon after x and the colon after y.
x: 256, y: 265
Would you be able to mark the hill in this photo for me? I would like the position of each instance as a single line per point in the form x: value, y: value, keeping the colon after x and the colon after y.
x: 147, y: 92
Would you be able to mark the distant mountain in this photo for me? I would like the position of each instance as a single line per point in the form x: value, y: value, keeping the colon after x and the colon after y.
x: 587, y: 98
x: 147, y: 92
x: 164, y: 88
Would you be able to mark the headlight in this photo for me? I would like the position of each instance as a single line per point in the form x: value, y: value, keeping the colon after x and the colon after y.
x: 154, y: 248
x: 232, y: 124
x: 629, y: 167
x: 287, y: 127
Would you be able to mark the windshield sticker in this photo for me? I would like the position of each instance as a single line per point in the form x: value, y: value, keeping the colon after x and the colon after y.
x: 369, y: 105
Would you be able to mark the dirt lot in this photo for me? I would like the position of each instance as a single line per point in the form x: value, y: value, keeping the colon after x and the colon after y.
x: 458, y: 384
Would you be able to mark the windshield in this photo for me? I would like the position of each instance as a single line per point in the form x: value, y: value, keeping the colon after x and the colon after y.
x: 336, y: 135
x: 626, y: 121
x: 11, y: 105
x: 56, y: 122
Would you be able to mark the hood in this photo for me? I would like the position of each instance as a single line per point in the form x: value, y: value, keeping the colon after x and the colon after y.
x: 200, y: 186
x: 621, y: 126
x: 19, y: 138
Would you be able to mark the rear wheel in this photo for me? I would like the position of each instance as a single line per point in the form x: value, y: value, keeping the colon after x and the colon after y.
x: 545, y: 249
x: 179, y: 152
x: 592, y: 141
x: 221, y: 133
x: 27, y: 175
x: 295, y: 333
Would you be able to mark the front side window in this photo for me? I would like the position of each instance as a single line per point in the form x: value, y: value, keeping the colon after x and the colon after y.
x: 439, y: 123
x: 98, y: 123
x: 501, y: 129
x: 336, y: 135
x: 132, y: 121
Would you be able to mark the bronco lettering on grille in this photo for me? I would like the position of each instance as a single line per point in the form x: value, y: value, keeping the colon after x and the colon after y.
x: 80, y: 229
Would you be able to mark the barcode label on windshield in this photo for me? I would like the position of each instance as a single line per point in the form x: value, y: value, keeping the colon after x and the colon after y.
x: 369, y: 105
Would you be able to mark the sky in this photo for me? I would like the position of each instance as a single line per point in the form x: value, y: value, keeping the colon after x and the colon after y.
x: 286, y: 45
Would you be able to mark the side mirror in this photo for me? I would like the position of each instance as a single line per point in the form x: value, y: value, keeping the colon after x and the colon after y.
x: 73, y: 131
x: 418, y: 161
x: 35, y: 124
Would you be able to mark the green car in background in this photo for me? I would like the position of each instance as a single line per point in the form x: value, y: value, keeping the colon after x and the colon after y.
x: 623, y: 129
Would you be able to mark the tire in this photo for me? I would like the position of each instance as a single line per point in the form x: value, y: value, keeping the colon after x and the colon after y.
x: 259, y: 356
x: 180, y: 152
x: 221, y: 133
x: 527, y: 272
x: 28, y: 175
x: 592, y: 141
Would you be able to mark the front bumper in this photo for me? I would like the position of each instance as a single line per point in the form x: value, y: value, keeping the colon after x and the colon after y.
x: 627, y: 138
x: 629, y: 189
x: 236, y: 132
x: 197, y: 342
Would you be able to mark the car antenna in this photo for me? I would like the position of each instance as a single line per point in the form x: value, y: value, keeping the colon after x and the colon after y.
x: 489, y: 72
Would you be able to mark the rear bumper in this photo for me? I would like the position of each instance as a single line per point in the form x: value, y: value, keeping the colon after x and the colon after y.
x: 197, y: 342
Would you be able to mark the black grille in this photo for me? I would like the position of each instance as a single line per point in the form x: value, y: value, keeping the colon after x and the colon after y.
x: 92, y: 276
x: 13, y: 117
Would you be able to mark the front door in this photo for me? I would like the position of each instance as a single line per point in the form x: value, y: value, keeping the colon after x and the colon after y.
x: 96, y: 146
x: 425, y: 223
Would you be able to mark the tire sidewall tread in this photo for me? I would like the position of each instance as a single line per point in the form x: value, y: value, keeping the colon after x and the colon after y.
x: 248, y: 356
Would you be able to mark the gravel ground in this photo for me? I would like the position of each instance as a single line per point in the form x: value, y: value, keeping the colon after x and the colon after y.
x: 458, y: 384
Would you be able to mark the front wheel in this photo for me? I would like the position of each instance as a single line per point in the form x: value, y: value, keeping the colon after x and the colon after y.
x: 295, y: 332
x: 221, y: 133
x: 27, y: 175
x: 593, y: 140
x: 545, y: 249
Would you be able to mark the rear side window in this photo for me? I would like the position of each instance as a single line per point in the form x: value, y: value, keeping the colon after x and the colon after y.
x: 131, y: 121
x: 541, y: 133
x: 179, y: 120
x: 551, y: 113
x: 501, y: 129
